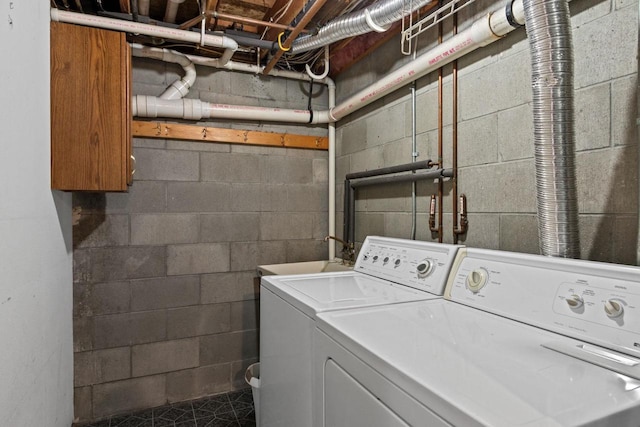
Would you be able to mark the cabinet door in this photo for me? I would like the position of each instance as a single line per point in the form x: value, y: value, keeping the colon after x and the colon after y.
x: 90, y: 109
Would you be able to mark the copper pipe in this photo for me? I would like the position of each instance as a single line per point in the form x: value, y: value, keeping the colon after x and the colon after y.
x: 440, y: 144
x: 454, y: 133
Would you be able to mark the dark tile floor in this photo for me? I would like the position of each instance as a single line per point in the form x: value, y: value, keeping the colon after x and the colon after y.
x: 233, y: 409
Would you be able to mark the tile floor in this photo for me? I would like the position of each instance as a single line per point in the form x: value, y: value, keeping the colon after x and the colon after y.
x: 233, y: 409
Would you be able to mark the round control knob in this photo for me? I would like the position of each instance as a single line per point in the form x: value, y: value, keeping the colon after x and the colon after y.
x: 375, y: 258
x: 397, y: 263
x: 613, y: 308
x: 575, y: 302
x: 425, y: 268
x: 385, y: 260
x: 477, y: 279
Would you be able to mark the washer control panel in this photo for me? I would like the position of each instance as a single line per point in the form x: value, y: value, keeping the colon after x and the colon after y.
x: 591, y: 301
x: 418, y: 264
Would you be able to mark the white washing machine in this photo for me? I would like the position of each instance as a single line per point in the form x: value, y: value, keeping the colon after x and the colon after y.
x: 519, y: 340
x: 387, y: 272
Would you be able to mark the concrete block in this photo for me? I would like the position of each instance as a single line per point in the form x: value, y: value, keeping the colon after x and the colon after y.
x: 229, y: 227
x: 228, y: 287
x: 199, y: 382
x: 592, y: 105
x: 198, y: 320
x: 139, y: 88
x: 397, y: 152
x: 284, y: 226
x: 397, y: 224
x: 245, y: 315
x: 320, y: 171
x: 505, y: 187
x: 100, y: 366
x: 82, y: 334
x: 594, y: 59
x: 198, y: 197
x: 426, y: 111
x: 229, y: 347
x: 99, y: 230
x: 608, y: 181
x: 387, y: 125
x: 321, y: 225
x: 515, y: 133
x: 343, y: 167
x: 298, y: 94
x: 214, y: 147
x: 164, y: 292
x: 354, y: 137
x: 128, y: 395
x: 625, y: 249
x: 247, y: 197
x: 478, y: 141
x: 307, y: 250
x: 117, y: 330
x: 117, y: 263
x: 483, y: 232
x: 624, y: 108
x: 256, y: 149
x: 273, y: 197
x: 230, y: 167
x: 156, y: 143
x: 248, y: 255
x: 238, y: 368
x: 148, y: 71
x: 167, y: 356
x: 143, y: 196
x: 584, y: 12
x: 197, y: 258
x: 307, y: 198
x: 620, y: 4
x: 100, y: 298
x: 309, y: 153
x: 369, y: 224
x: 596, y: 237
x: 255, y: 87
x: 166, y: 165
x: 163, y: 229
x: 371, y: 158
x: 519, y: 233
x: 82, y: 398
x: 212, y: 79
x: 385, y: 198
x: 480, y: 94
x: 287, y: 170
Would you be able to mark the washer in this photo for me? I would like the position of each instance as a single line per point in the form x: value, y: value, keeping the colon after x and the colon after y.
x: 519, y: 340
x: 387, y: 272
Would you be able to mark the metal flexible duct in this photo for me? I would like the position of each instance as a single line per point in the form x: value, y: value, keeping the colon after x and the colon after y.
x: 383, y: 14
x: 549, y: 31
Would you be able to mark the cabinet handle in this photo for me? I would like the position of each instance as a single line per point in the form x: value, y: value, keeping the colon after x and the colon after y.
x: 133, y: 169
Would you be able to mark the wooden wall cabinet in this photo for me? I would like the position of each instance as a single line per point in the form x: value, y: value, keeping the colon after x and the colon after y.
x: 90, y: 109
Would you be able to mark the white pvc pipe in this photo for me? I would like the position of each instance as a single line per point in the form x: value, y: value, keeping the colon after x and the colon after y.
x: 481, y: 33
x: 332, y: 172
x: 145, y: 29
x: 180, y: 87
x: 172, y: 10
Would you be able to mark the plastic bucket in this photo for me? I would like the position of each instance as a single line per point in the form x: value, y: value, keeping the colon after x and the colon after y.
x: 252, y: 377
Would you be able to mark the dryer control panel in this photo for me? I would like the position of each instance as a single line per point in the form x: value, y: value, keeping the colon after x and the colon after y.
x: 420, y: 265
x: 591, y: 301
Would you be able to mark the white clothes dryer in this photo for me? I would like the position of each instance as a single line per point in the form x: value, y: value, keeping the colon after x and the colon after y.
x: 388, y: 271
x: 519, y: 340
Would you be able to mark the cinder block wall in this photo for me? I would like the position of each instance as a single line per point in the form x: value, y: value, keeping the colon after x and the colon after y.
x: 165, y: 289
x: 495, y: 133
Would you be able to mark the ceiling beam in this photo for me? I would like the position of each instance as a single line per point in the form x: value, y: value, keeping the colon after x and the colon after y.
x: 317, y: 5
x: 294, y: 9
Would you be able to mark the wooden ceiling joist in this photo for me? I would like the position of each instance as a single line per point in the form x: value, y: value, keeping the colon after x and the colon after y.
x: 292, y: 11
x: 201, y: 133
x: 317, y: 5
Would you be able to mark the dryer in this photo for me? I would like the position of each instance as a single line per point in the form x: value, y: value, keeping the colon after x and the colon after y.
x: 519, y: 340
x: 388, y: 271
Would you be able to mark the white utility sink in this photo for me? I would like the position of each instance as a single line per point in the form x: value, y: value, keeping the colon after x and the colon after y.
x: 303, y: 268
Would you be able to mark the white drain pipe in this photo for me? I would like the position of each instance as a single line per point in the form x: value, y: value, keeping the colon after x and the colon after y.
x: 180, y: 87
x: 213, y: 40
x: 172, y: 10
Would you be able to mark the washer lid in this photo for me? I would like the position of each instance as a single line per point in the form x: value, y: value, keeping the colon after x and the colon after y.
x: 316, y: 293
x: 466, y: 364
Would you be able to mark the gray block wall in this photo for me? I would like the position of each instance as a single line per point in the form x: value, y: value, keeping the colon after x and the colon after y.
x: 495, y: 137
x: 165, y: 290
